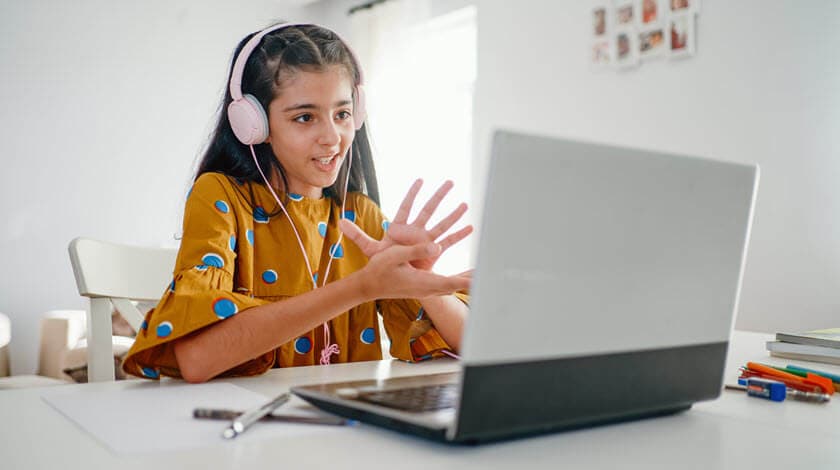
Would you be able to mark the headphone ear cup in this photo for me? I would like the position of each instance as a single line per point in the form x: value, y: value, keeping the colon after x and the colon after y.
x: 359, y: 110
x: 248, y: 120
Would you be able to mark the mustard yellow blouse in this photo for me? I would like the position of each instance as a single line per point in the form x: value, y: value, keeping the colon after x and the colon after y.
x: 234, y: 256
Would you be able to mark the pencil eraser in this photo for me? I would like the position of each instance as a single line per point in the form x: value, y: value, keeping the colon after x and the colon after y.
x: 768, y: 389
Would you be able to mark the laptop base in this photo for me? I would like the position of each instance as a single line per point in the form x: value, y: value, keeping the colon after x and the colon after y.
x: 439, y: 435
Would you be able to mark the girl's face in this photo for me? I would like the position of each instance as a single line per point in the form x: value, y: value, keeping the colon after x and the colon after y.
x: 311, y: 127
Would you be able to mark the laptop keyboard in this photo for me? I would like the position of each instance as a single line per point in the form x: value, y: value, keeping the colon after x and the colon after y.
x: 415, y: 399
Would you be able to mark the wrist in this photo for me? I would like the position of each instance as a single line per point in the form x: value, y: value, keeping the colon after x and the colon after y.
x: 362, y: 286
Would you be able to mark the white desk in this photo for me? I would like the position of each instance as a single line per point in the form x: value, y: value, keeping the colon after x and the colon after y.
x: 734, y: 431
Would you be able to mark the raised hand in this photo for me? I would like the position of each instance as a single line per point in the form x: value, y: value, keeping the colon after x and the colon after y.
x: 400, y: 232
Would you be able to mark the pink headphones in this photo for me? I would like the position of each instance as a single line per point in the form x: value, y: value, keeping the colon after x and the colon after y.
x: 247, y: 117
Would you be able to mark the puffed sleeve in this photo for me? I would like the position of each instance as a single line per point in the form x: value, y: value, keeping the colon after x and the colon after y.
x: 412, y: 334
x: 201, y: 292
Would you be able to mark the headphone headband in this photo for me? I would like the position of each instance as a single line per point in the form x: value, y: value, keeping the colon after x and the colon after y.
x: 248, y: 119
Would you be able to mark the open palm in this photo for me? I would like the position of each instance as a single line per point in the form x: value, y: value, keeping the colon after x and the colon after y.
x: 400, y: 232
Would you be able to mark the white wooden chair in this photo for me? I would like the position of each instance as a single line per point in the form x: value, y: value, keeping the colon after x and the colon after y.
x: 115, y: 275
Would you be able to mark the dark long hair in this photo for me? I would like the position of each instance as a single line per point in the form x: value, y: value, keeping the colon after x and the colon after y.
x: 279, y: 55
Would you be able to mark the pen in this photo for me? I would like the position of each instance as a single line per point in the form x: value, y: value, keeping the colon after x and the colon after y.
x: 215, y: 413
x: 241, y: 423
x: 777, y: 391
x: 834, y: 378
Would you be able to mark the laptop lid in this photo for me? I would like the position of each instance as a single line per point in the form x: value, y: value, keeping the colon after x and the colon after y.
x: 605, y: 287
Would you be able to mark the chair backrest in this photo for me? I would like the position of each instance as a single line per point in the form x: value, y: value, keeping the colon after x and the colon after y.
x: 112, y: 276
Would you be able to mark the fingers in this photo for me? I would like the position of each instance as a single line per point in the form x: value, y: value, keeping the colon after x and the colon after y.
x: 455, y: 237
x: 446, y: 284
x: 396, y: 278
x: 432, y: 204
x: 408, y: 201
x: 448, y: 222
x: 358, y: 236
x: 468, y: 274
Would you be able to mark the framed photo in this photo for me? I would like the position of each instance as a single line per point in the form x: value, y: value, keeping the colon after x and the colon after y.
x: 599, y: 21
x: 681, y: 30
x: 653, y: 43
x: 684, y: 6
x: 626, y: 48
x: 601, y: 54
x: 650, y: 12
x: 625, y: 13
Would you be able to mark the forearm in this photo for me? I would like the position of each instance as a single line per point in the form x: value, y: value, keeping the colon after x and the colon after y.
x: 448, y: 314
x: 254, y: 331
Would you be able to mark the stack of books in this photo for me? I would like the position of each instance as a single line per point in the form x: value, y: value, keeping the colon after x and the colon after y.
x: 815, y: 345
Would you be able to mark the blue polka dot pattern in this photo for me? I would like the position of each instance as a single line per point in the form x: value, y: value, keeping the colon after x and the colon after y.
x: 350, y: 215
x: 420, y: 314
x: 201, y: 267
x: 172, y: 286
x: 295, y: 197
x: 249, y: 234
x: 213, y: 259
x: 368, y: 336
x: 224, y: 308
x: 260, y: 216
x: 164, y: 329
x: 315, y: 277
x: 269, y: 276
x: 385, y: 225
x: 322, y: 229
x: 144, y: 325
x: 336, y: 250
x: 221, y: 206
x: 150, y: 373
x: 303, y: 345
x: 232, y: 243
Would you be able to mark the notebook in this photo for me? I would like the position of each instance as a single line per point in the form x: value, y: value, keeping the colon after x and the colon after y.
x: 605, y: 290
x: 828, y: 337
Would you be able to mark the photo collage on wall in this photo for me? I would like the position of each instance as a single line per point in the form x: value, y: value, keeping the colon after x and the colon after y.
x: 626, y: 33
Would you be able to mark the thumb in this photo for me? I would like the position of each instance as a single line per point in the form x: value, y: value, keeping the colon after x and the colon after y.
x: 356, y: 234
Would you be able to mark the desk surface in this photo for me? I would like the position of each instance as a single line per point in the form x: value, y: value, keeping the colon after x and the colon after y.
x: 734, y: 431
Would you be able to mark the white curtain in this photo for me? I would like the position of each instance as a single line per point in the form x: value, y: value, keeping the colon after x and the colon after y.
x: 419, y: 74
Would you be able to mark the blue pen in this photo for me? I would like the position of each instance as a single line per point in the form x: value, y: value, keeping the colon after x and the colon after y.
x: 834, y: 378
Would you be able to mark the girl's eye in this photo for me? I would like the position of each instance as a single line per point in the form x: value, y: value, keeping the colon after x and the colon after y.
x: 344, y: 115
x: 304, y: 118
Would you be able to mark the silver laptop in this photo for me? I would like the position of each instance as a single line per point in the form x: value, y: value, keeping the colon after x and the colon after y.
x: 605, y: 289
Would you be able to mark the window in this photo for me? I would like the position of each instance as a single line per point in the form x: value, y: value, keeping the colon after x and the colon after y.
x: 420, y: 80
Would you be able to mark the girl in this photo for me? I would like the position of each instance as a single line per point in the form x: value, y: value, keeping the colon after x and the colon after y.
x: 264, y: 277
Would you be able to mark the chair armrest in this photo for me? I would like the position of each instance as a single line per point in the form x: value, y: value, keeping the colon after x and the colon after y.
x: 61, y: 331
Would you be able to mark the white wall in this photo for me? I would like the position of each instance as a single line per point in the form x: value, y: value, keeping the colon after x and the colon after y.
x: 764, y: 87
x: 105, y: 107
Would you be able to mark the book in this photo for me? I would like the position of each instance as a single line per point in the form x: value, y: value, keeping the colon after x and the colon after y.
x: 829, y: 337
x: 804, y: 352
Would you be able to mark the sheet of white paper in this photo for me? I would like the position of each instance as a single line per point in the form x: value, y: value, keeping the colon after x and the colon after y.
x: 154, y: 417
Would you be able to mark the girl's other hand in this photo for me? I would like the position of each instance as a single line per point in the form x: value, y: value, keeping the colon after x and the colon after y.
x: 400, y: 232
x: 390, y: 275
